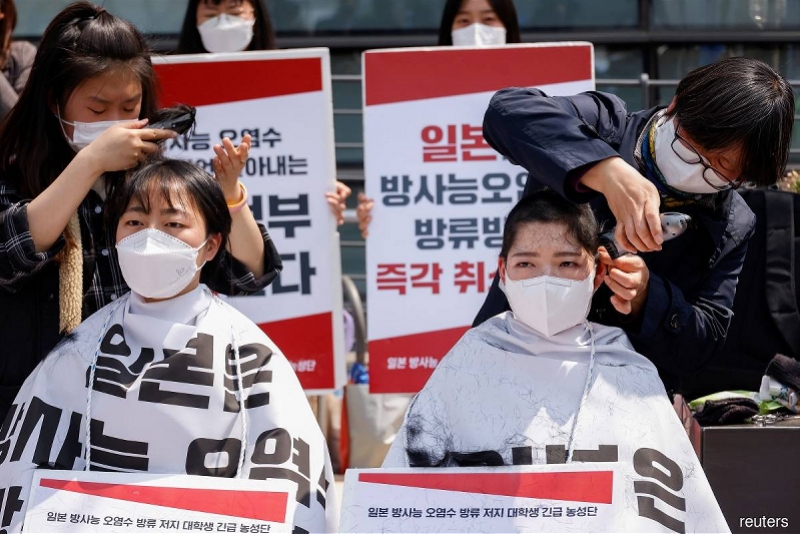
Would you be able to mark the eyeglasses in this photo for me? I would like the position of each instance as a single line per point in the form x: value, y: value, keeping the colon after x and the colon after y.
x: 689, y: 154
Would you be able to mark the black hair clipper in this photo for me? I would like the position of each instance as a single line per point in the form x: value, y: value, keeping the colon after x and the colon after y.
x: 179, y: 119
x: 673, y: 224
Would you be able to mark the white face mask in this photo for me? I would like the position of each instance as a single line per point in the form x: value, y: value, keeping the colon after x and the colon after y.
x: 686, y: 177
x: 156, y: 265
x: 549, y: 304
x: 84, y: 133
x: 478, y: 34
x: 226, y: 33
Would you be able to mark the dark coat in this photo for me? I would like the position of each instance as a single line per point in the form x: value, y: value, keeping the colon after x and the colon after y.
x: 692, y: 279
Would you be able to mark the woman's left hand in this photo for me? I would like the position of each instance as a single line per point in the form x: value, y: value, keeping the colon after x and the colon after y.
x: 336, y: 201
x: 628, y: 278
x: 228, y: 165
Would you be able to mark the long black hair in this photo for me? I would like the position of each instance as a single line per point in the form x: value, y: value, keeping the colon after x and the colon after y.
x: 547, y: 206
x: 7, y: 25
x: 180, y: 183
x: 505, y: 10
x: 83, y: 41
x: 740, y: 102
x: 191, y: 43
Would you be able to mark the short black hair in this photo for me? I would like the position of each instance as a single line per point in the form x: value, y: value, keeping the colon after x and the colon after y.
x: 547, y: 206
x: 740, y: 101
x: 505, y: 10
x: 178, y: 182
x: 190, y: 42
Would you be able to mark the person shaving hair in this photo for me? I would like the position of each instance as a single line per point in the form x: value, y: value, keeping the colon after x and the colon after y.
x: 540, y: 384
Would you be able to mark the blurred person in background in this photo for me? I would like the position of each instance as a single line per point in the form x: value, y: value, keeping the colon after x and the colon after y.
x: 16, y: 59
x: 464, y: 23
x: 226, y: 26
x: 479, y: 23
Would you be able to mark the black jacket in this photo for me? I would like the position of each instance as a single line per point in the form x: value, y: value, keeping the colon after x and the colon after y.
x: 692, y: 279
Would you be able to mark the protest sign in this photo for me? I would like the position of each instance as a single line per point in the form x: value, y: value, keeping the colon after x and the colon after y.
x: 584, y: 497
x: 283, y: 100
x: 441, y: 192
x: 83, y: 502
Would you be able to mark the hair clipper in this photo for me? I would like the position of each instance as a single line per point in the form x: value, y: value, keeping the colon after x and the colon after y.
x: 179, y: 119
x: 673, y: 224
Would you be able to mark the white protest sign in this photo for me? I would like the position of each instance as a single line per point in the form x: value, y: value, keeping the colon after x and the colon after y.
x: 584, y: 497
x: 283, y: 100
x: 92, y: 502
x: 441, y: 192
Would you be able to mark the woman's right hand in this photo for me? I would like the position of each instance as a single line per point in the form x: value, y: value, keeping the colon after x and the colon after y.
x: 123, y: 146
x: 363, y: 212
x: 633, y: 200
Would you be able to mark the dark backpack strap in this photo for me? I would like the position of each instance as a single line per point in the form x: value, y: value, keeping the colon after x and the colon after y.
x: 780, y: 266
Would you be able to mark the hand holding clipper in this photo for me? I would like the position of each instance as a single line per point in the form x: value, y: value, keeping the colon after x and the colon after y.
x: 673, y: 224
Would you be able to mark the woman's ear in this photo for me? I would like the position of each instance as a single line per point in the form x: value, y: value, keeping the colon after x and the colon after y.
x: 599, y: 274
x: 501, y: 268
x: 671, y: 106
x: 212, y: 246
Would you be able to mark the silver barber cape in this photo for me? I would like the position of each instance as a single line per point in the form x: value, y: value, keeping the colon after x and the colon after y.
x: 505, y: 394
x: 166, y: 399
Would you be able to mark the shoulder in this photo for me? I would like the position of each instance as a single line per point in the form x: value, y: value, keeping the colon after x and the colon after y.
x: 611, y: 335
x: 23, y: 53
x: 741, y: 221
x: 488, y: 331
x: 241, y: 324
x: 245, y: 329
x: 84, y: 340
x: 615, y: 349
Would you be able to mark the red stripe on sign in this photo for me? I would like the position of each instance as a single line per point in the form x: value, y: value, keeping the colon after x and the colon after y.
x: 260, y: 505
x: 417, y: 350
x: 449, y: 71
x: 584, y: 486
x: 206, y: 83
x: 303, y: 340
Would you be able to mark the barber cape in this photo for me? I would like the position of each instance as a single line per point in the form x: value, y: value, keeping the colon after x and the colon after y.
x: 507, y: 393
x: 166, y: 400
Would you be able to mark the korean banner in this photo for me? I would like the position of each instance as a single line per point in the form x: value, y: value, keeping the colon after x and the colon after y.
x: 441, y: 192
x: 78, y: 501
x: 582, y: 497
x: 283, y: 100
x: 576, y: 497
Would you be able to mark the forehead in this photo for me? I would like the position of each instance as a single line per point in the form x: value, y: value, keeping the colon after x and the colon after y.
x: 225, y: 4
x: 119, y: 84
x: 155, y: 195
x: 538, y: 236
x: 476, y: 6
